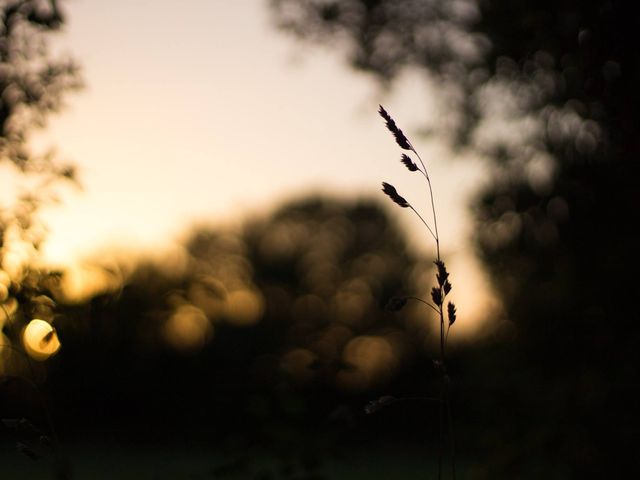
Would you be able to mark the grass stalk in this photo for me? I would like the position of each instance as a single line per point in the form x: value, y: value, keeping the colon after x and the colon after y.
x: 438, y: 294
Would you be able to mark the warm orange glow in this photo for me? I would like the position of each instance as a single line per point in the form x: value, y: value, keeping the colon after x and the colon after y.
x: 40, y: 339
x: 118, y: 209
x: 372, y: 359
x: 83, y: 281
x: 352, y: 301
x: 208, y: 294
x: 7, y: 309
x: 188, y: 328
x: 4, y: 278
x: 244, y: 307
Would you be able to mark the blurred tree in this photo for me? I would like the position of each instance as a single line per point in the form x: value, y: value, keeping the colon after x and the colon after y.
x: 548, y: 92
x: 32, y: 85
x: 288, y: 306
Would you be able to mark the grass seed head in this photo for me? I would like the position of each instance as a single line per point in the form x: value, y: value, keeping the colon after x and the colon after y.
x: 401, y: 140
x: 451, y: 313
x: 410, y: 164
x: 393, y: 195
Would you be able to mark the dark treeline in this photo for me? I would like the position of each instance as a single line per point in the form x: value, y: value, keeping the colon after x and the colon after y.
x: 262, y: 336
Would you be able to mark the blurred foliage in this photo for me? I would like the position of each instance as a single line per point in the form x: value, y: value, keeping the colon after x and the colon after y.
x: 32, y: 85
x: 297, y: 298
x: 252, y: 338
x: 547, y: 91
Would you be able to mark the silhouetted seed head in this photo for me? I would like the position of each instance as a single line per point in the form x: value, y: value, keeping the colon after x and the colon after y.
x: 393, y: 195
x: 396, y: 304
x: 442, y: 274
x: 406, y: 159
x: 401, y: 140
x: 447, y: 287
x: 451, y: 312
x: 375, y: 405
x: 436, y: 296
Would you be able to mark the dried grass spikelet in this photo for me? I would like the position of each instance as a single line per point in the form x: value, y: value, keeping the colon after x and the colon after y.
x: 401, y: 140
x: 451, y: 313
x: 436, y: 296
x: 410, y: 164
x: 442, y: 274
x: 393, y: 195
x: 396, y: 304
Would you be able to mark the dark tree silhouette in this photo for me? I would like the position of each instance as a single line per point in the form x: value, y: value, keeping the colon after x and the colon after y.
x: 548, y: 91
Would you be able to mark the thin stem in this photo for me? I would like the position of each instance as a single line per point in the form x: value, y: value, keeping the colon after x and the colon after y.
x: 441, y: 435
x: 452, y: 437
x: 425, y: 302
x: 442, y: 338
x: 443, y: 397
x: 433, y: 205
x: 426, y: 225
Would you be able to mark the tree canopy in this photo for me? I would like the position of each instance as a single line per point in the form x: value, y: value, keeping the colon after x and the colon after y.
x: 547, y: 91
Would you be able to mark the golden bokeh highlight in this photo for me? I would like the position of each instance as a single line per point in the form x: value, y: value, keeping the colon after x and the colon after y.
x: 244, y: 307
x: 82, y: 281
x: 4, y: 278
x: 370, y: 360
x: 188, y: 328
x: 209, y: 294
x: 352, y: 302
x: 40, y: 339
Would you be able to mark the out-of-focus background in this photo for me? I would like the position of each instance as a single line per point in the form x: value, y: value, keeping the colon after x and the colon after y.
x: 196, y: 255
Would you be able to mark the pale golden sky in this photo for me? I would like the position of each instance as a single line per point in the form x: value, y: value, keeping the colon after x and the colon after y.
x: 200, y: 111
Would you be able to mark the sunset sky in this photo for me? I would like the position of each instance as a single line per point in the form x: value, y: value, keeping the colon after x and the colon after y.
x: 201, y: 112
